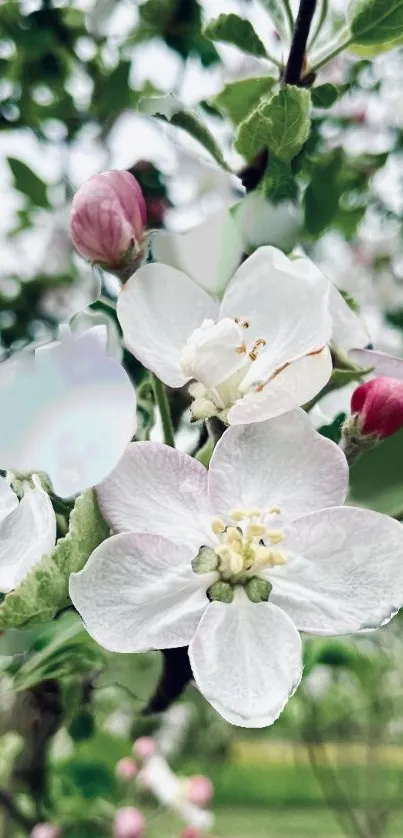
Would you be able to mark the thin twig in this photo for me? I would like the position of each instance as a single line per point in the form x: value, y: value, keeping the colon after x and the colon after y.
x: 296, y: 58
x: 321, y: 19
x: 162, y: 402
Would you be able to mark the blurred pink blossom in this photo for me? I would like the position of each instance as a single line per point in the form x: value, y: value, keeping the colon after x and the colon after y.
x: 128, y: 823
x: 126, y: 769
x: 200, y: 790
x: 45, y: 830
x: 144, y: 747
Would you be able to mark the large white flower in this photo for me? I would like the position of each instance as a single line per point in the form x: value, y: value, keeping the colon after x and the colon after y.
x: 260, y: 352
x: 27, y: 531
x: 68, y: 410
x: 237, y: 560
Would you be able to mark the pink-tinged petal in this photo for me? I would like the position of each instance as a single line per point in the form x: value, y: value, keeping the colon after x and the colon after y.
x: 348, y: 330
x: 209, y: 253
x: 283, y: 463
x: 285, y: 302
x: 157, y: 489
x: 158, y: 309
x: 69, y: 412
x: 246, y: 659
x: 377, y: 408
x: 26, y: 535
x: 344, y: 571
x: 295, y: 385
x: 139, y: 592
x: 382, y: 364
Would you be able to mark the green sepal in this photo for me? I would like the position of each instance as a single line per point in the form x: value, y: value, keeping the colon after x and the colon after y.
x: 220, y: 592
x: 205, y: 561
x: 258, y: 590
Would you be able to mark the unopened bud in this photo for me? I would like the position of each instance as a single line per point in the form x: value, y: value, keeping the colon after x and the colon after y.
x: 200, y: 790
x: 108, y: 216
x: 126, y: 769
x: 377, y: 412
x: 128, y: 823
x: 144, y: 747
x: 45, y: 830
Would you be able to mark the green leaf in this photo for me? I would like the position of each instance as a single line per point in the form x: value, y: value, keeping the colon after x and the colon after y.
x: 239, y: 98
x: 170, y: 109
x: 279, y: 182
x: 376, y: 479
x: 281, y: 124
x: 44, y: 591
x: 236, y: 30
x: 325, y: 95
x: 27, y: 182
x: 321, y: 200
x: 375, y: 21
x: 275, y: 9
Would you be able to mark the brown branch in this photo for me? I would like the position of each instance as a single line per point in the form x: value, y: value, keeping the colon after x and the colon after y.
x: 296, y: 58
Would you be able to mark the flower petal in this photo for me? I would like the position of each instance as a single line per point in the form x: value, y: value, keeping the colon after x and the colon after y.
x: 293, y: 386
x: 158, y: 308
x: 285, y: 302
x: 70, y: 413
x: 283, y: 463
x: 139, y: 592
x: 383, y: 364
x: 26, y: 535
x: 246, y: 660
x: 8, y: 499
x: 348, y: 330
x: 159, y: 490
x: 344, y: 572
x: 209, y: 253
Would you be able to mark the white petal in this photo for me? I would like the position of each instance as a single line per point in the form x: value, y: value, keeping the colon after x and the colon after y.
x: 344, y: 572
x: 157, y: 489
x: 8, y: 499
x: 209, y: 253
x: 26, y: 535
x: 285, y: 302
x: 383, y: 364
x: 295, y: 385
x: 264, y: 223
x: 246, y: 659
x: 348, y: 330
x: 211, y: 354
x: 158, y: 308
x: 85, y: 320
x: 332, y: 404
x: 283, y: 462
x: 139, y: 592
x: 70, y: 415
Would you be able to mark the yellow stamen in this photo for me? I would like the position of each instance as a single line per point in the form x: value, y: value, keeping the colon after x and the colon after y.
x: 218, y: 526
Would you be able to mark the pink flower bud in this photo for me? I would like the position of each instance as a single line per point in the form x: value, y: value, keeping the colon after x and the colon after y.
x: 144, y: 747
x: 126, y: 769
x: 190, y: 832
x: 200, y: 790
x: 108, y: 216
x: 378, y: 405
x: 45, y: 830
x: 128, y: 823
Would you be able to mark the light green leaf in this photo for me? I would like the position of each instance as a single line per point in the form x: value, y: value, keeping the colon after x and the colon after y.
x: 275, y: 9
x: 239, y: 98
x: 27, y: 182
x: 236, y: 30
x: 281, y: 124
x: 44, y: 591
x: 170, y: 109
x: 325, y: 95
x: 375, y: 21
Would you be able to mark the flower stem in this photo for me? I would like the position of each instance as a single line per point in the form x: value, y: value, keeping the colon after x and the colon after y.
x: 161, y: 400
x: 296, y: 58
x: 344, y: 39
x: 321, y: 20
x: 289, y: 14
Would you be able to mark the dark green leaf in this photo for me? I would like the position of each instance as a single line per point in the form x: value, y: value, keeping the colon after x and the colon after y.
x: 236, y: 30
x: 325, y: 95
x: 239, y: 98
x: 27, y: 182
x: 375, y: 21
x: 281, y: 124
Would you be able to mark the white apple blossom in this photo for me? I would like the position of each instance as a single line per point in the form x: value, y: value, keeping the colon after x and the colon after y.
x: 170, y: 790
x: 67, y: 409
x: 27, y: 530
x: 260, y: 352
x: 235, y: 561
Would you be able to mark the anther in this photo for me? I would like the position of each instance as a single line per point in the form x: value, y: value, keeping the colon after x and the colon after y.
x: 218, y: 526
x: 275, y: 536
x: 241, y: 350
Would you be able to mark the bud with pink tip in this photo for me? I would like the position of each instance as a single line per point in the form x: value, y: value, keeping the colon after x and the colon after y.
x: 108, y: 216
x: 45, y: 830
x: 190, y: 832
x: 377, y: 412
x: 128, y: 823
x: 200, y: 790
x: 144, y: 747
x: 126, y: 769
